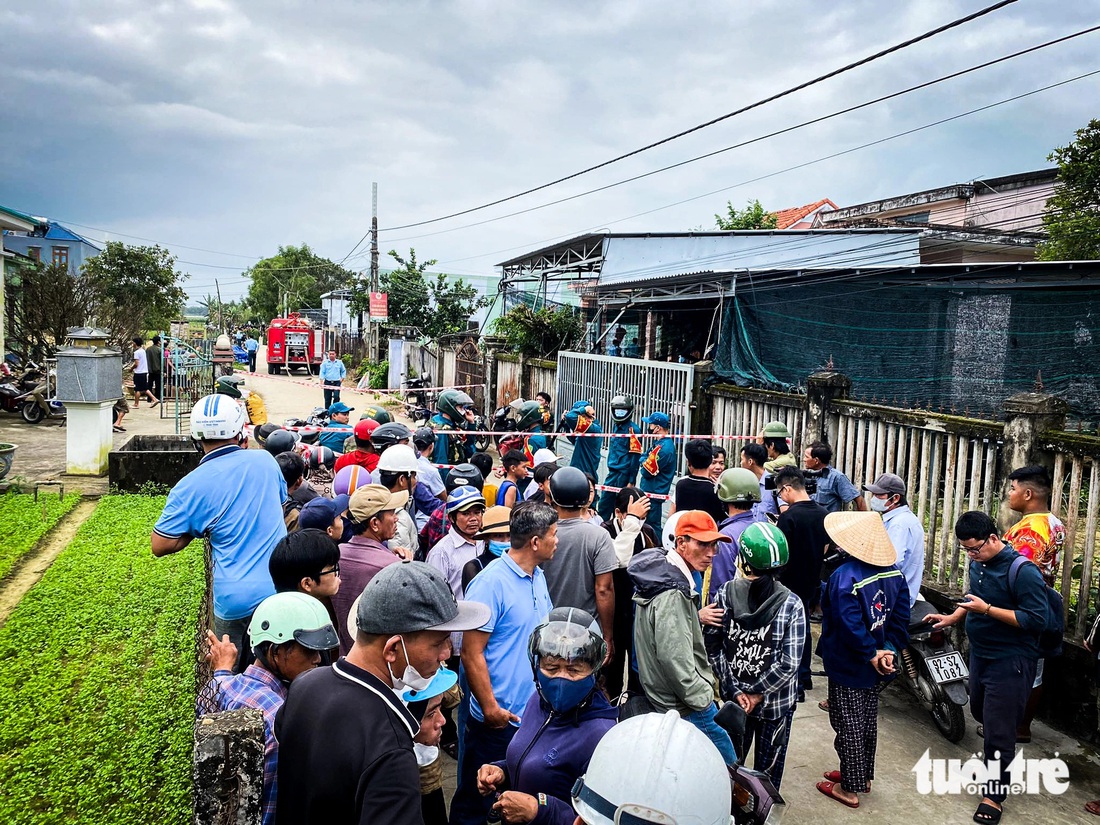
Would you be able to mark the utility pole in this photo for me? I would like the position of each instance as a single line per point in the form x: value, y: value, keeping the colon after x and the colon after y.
x: 373, y: 268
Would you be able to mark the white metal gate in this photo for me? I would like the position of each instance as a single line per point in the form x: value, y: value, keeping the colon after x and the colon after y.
x: 654, y: 386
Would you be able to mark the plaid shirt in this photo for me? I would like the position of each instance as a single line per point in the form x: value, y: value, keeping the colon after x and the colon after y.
x: 260, y: 689
x: 433, y: 532
x: 759, y: 661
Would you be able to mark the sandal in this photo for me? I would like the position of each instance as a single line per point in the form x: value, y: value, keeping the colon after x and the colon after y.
x: 1093, y: 807
x: 118, y: 429
x: 834, y: 777
x: 987, y: 814
x: 824, y: 705
x: 828, y: 789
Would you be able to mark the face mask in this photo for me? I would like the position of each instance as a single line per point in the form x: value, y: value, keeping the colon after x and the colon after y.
x: 498, y: 547
x: 425, y: 754
x: 878, y: 504
x: 411, y: 678
x: 565, y: 694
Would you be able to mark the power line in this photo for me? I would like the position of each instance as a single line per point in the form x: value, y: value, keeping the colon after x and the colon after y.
x: 794, y: 168
x: 760, y: 138
x: 805, y: 85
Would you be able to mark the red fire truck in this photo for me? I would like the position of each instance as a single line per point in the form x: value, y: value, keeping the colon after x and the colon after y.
x: 294, y: 342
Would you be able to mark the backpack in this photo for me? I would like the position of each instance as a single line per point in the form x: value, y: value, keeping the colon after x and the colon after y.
x: 1050, y: 637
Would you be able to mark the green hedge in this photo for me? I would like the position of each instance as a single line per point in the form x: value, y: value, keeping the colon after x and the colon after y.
x: 23, y: 521
x: 97, y: 681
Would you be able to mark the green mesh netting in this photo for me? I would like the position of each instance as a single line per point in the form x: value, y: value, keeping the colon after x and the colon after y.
x: 965, y: 347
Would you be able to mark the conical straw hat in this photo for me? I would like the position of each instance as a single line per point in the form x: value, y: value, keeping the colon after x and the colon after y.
x: 862, y: 535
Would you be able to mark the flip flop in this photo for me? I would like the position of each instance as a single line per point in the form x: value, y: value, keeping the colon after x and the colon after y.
x: 834, y: 776
x: 824, y: 705
x: 1093, y: 807
x: 987, y: 814
x: 827, y: 788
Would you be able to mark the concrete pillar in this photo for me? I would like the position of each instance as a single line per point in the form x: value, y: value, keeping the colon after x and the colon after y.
x: 228, y: 768
x: 702, y: 407
x: 650, y: 336
x: 1027, y: 416
x: 88, y: 437
x: 821, y: 389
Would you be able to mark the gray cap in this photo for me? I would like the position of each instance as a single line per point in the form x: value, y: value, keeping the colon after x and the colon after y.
x: 886, y: 484
x: 411, y: 596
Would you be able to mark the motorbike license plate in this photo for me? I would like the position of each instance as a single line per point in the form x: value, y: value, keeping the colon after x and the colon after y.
x: 949, y: 667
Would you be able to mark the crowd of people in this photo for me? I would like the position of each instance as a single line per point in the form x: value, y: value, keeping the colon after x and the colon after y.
x: 428, y: 605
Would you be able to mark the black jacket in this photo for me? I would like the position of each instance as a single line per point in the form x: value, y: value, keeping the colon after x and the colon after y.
x: 346, y: 752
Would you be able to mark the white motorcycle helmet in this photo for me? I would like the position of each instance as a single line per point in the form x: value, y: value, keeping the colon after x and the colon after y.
x: 654, y: 768
x: 216, y: 418
x: 399, y: 458
x: 668, y: 532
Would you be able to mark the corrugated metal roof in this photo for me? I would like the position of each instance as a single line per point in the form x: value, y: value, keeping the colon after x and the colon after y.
x: 644, y: 258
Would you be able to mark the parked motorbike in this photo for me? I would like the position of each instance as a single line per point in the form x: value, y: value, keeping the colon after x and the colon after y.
x: 14, y: 388
x: 37, y: 406
x: 309, y: 428
x: 935, y: 672
x: 418, y: 400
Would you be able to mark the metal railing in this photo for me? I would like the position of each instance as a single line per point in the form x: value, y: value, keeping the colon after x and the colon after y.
x: 654, y: 386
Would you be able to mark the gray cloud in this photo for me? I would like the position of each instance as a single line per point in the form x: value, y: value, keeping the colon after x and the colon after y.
x: 239, y: 126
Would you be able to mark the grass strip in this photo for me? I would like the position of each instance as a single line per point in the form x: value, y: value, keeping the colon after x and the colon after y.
x: 23, y: 521
x: 97, y: 682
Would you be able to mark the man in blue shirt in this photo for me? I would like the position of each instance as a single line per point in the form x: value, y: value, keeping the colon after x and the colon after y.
x: 904, y: 528
x: 834, y: 490
x: 494, y: 658
x: 234, y: 498
x: 658, y: 467
x: 251, y: 346
x: 1003, y: 624
x: 332, y: 374
x: 338, y: 427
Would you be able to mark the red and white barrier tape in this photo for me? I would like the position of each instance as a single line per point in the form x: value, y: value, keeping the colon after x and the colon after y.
x: 316, y: 383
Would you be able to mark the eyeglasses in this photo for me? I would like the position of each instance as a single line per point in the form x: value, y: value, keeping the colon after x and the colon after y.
x: 333, y: 571
x: 975, y: 549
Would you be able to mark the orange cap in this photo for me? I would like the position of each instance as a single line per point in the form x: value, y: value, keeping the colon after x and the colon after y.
x: 699, y: 525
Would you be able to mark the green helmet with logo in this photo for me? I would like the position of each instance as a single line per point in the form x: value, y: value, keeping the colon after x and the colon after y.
x: 528, y: 414
x: 738, y: 486
x: 453, y: 402
x: 292, y: 617
x: 763, y: 547
x: 376, y: 413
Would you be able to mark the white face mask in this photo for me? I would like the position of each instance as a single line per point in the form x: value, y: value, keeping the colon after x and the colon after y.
x: 425, y: 754
x: 411, y: 678
x: 879, y: 505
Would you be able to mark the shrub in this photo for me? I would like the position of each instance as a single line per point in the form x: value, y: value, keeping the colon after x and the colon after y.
x: 542, y: 332
x: 23, y: 521
x: 97, y: 686
x: 379, y: 373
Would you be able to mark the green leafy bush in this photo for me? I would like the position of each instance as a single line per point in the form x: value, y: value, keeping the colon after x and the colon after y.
x: 379, y: 373
x: 540, y: 333
x: 23, y: 522
x: 97, y: 685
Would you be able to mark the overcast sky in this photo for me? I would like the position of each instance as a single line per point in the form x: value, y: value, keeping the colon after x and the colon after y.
x: 235, y: 127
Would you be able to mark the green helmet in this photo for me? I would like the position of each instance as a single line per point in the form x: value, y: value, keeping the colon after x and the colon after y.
x: 776, y: 429
x: 377, y: 413
x: 528, y: 414
x: 450, y: 404
x: 763, y: 547
x: 738, y: 485
x: 292, y: 617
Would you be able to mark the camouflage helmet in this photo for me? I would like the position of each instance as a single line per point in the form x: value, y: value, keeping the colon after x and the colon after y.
x: 528, y: 414
x: 375, y: 413
x: 738, y: 485
x: 763, y: 547
x: 451, y: 402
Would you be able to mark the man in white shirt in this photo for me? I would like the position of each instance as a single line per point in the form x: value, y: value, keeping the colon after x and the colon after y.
x: 141, y: 374
x: 902, y: 525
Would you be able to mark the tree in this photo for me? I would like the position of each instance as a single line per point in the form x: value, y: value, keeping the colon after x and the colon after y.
x: 753, y: 216
x: 431, y: 303
x: 540, y: 333
x: 224, y: 315
x: 134, y: 288
x: 48, y: 300
x: 1072, y: 216
x: 297, y: 276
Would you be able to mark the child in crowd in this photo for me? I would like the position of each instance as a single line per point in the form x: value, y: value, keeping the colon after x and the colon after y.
x: 308, y: 561
x: 516, y: 467
x: 325, y: 514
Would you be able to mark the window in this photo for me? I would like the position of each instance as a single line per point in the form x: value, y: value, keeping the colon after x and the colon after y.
x: 34, y: 253
x: 61, y: 255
